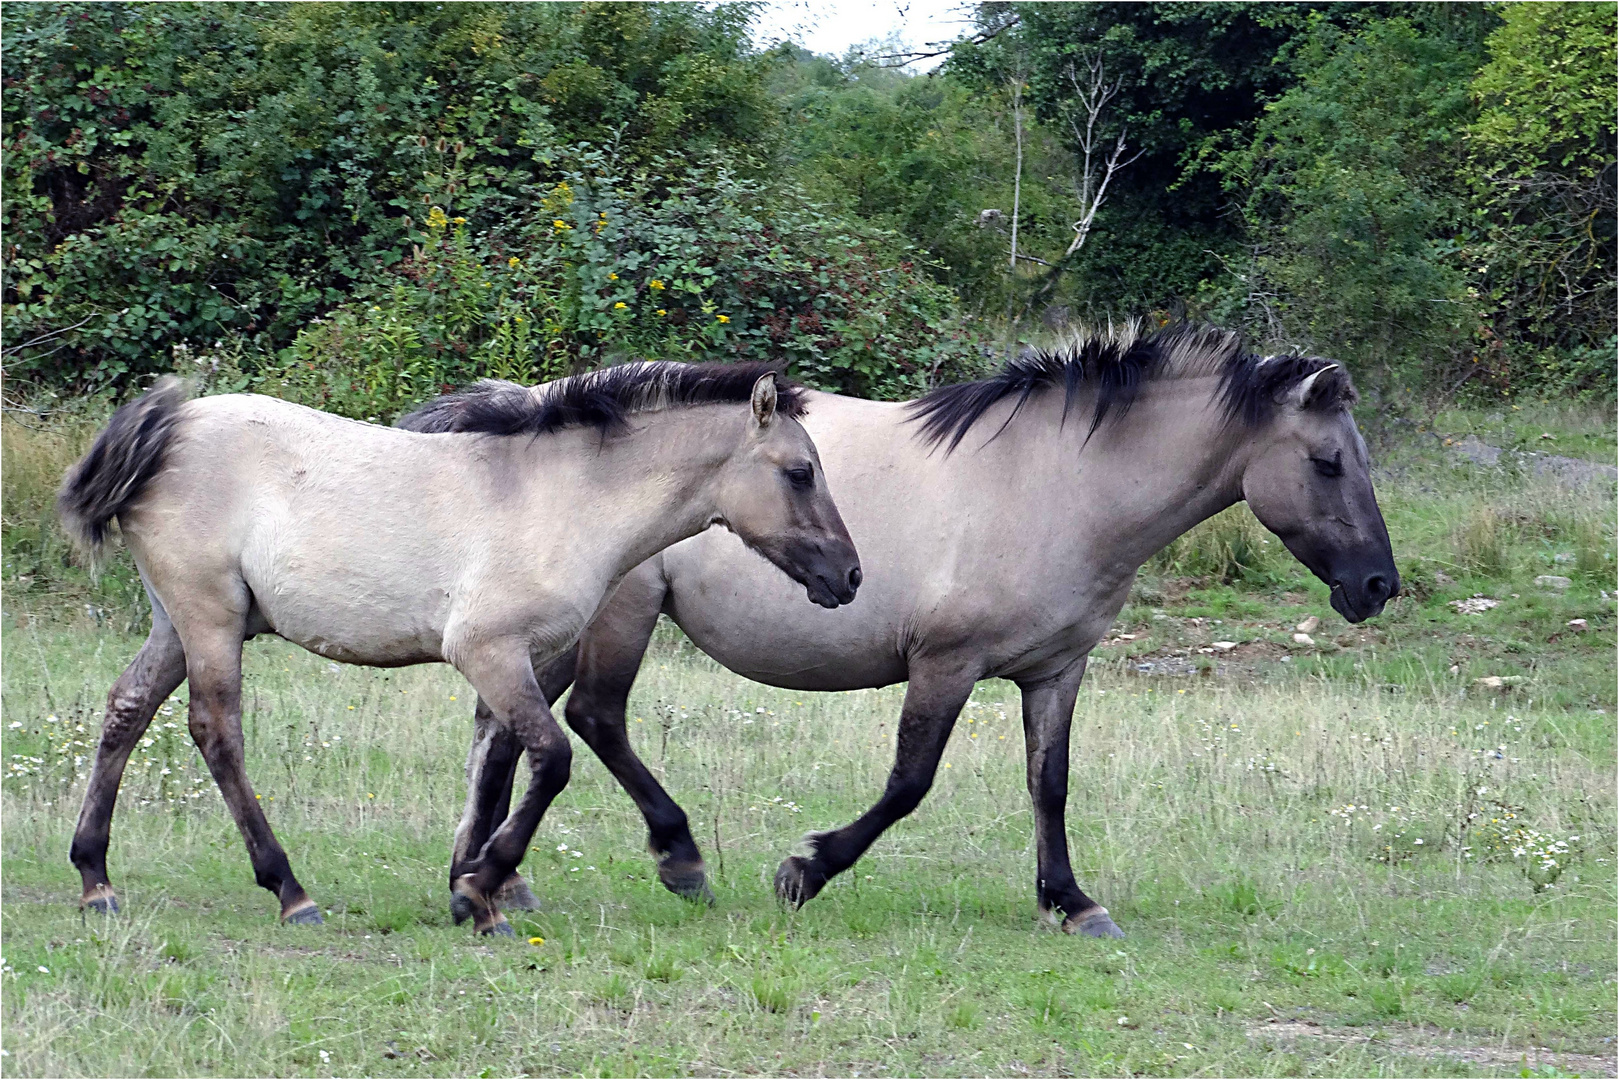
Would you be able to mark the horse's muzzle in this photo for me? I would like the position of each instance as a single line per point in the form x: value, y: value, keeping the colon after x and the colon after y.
x: 1360, y: 600
x: 835, y: 588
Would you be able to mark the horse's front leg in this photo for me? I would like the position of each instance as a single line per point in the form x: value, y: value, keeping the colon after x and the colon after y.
x: 503, y: 676
x: 1048, y: 717
x: 491, y: 769
x: 933, y: 700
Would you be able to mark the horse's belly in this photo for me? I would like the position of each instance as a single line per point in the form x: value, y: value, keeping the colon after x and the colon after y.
x: 758, y: 622
x: 351, y: 616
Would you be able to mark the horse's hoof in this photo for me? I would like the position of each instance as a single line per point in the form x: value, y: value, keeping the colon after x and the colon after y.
x: 1093, y: 923
x: 499, y: 928
x: 798, y: 882
x: 687, y: 880
x: 306, y: 914
x: 101, y: 900
x: 515, y: 894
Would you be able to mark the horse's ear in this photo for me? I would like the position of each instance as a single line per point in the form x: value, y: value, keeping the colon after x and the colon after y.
x: 1299, y: 397
x: 764, y: 400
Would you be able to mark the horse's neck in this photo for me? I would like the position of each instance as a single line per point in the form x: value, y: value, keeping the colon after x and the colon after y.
x: 1151, y: 475
x: 653, y: 486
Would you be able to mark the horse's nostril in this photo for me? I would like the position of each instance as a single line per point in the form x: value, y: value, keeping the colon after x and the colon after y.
x: 855, y: 578
x: 1377, y: 586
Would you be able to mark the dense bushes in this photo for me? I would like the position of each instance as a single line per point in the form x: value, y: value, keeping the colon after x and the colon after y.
x: 695, y: 263
x: 1426, y: 192
x: 182, y: 172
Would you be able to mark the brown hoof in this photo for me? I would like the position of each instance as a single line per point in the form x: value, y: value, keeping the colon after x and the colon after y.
x: 1093, y: 923
x: 303, y: 913
x: 688, y: 880
x: 100, y: 899
x: 467, y: 901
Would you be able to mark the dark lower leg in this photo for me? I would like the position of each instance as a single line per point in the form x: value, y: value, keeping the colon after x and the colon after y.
x: 491, y: 768
x: 1048, y: 713
x: 929, y: 714
x: 596, y: 714
x: 151, y: 677
x: 507, y: 683
x: 491, y: 772
x: 216, y: 726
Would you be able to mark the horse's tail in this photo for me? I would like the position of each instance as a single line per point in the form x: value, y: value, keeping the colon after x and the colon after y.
x: 121, y: 462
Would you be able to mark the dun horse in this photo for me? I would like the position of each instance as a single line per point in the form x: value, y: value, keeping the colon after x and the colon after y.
x: 1001, y: 536
x: 370, y: 545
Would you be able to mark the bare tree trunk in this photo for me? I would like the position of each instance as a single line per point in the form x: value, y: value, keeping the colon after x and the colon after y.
x: 1017, y: 175
x: 1093, y: 92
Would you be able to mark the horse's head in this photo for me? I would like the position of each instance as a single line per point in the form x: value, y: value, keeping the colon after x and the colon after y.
x: 1308, y: 482
x: 774, y: 496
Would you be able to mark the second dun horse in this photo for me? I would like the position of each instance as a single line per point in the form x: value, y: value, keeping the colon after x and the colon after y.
x: 486, y: 550
x: 1002, y: 522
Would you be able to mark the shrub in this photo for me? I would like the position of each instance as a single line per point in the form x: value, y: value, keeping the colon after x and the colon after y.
x: 690, y: 263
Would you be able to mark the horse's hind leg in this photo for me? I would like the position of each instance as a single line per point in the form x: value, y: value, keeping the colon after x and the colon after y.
x: 151, y: 677
x: 503, y: 676
x: 933, y: 700
x: 1048, y: 716
x: 214, y: 667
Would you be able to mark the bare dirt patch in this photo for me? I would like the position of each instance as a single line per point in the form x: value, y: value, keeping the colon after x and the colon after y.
x: 1432, y: 1042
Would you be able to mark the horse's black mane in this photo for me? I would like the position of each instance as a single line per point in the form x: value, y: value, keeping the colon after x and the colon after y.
x: 1117, y: 365
x: 600, y: 399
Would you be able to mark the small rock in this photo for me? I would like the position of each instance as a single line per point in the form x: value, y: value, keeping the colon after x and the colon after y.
x: 1222, y: 646
x: 1455, y: 669
x: 1491, y: 682
x: 1474, y: 604
x: 1303, y: 639
x: 1205, y: 652
x: 1579, y: 626
x: 1127, y: 637
x: 1308, y: 625
x: 1442, y: 578
x: 1563, y: 557
x: 1552, y: 581
x: 1547, y: 435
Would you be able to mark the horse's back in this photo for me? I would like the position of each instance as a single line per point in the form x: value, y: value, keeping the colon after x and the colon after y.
x: 303, y: 517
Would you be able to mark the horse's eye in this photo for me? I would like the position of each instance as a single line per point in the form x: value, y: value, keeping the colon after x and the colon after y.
x: 1326, y: 468
x: 801, y: 477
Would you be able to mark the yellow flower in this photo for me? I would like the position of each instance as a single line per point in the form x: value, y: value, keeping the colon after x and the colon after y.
x: 612, y: 277
x: 620, y: 306
x: 723, y: 318
x: 661, y: 311
x: 655, y: 284
x: 560, y: 224
x: 517, y: 318
x: 436, y: 218
x: 459, y: 220
x: 536, y: 941
x: 514, y: 262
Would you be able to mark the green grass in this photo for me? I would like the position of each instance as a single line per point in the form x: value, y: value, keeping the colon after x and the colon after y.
x: 1313, y: 857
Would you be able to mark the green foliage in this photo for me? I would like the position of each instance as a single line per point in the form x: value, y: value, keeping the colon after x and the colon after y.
x: 1350, y: 194
x: 696, y: 263
x: 920, y: 156
x: 176, y: 173
x: 1426, y: 192
x: 1541, y: 168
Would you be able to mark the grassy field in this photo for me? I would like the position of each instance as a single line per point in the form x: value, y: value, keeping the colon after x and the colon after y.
x: 1344, y: 858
